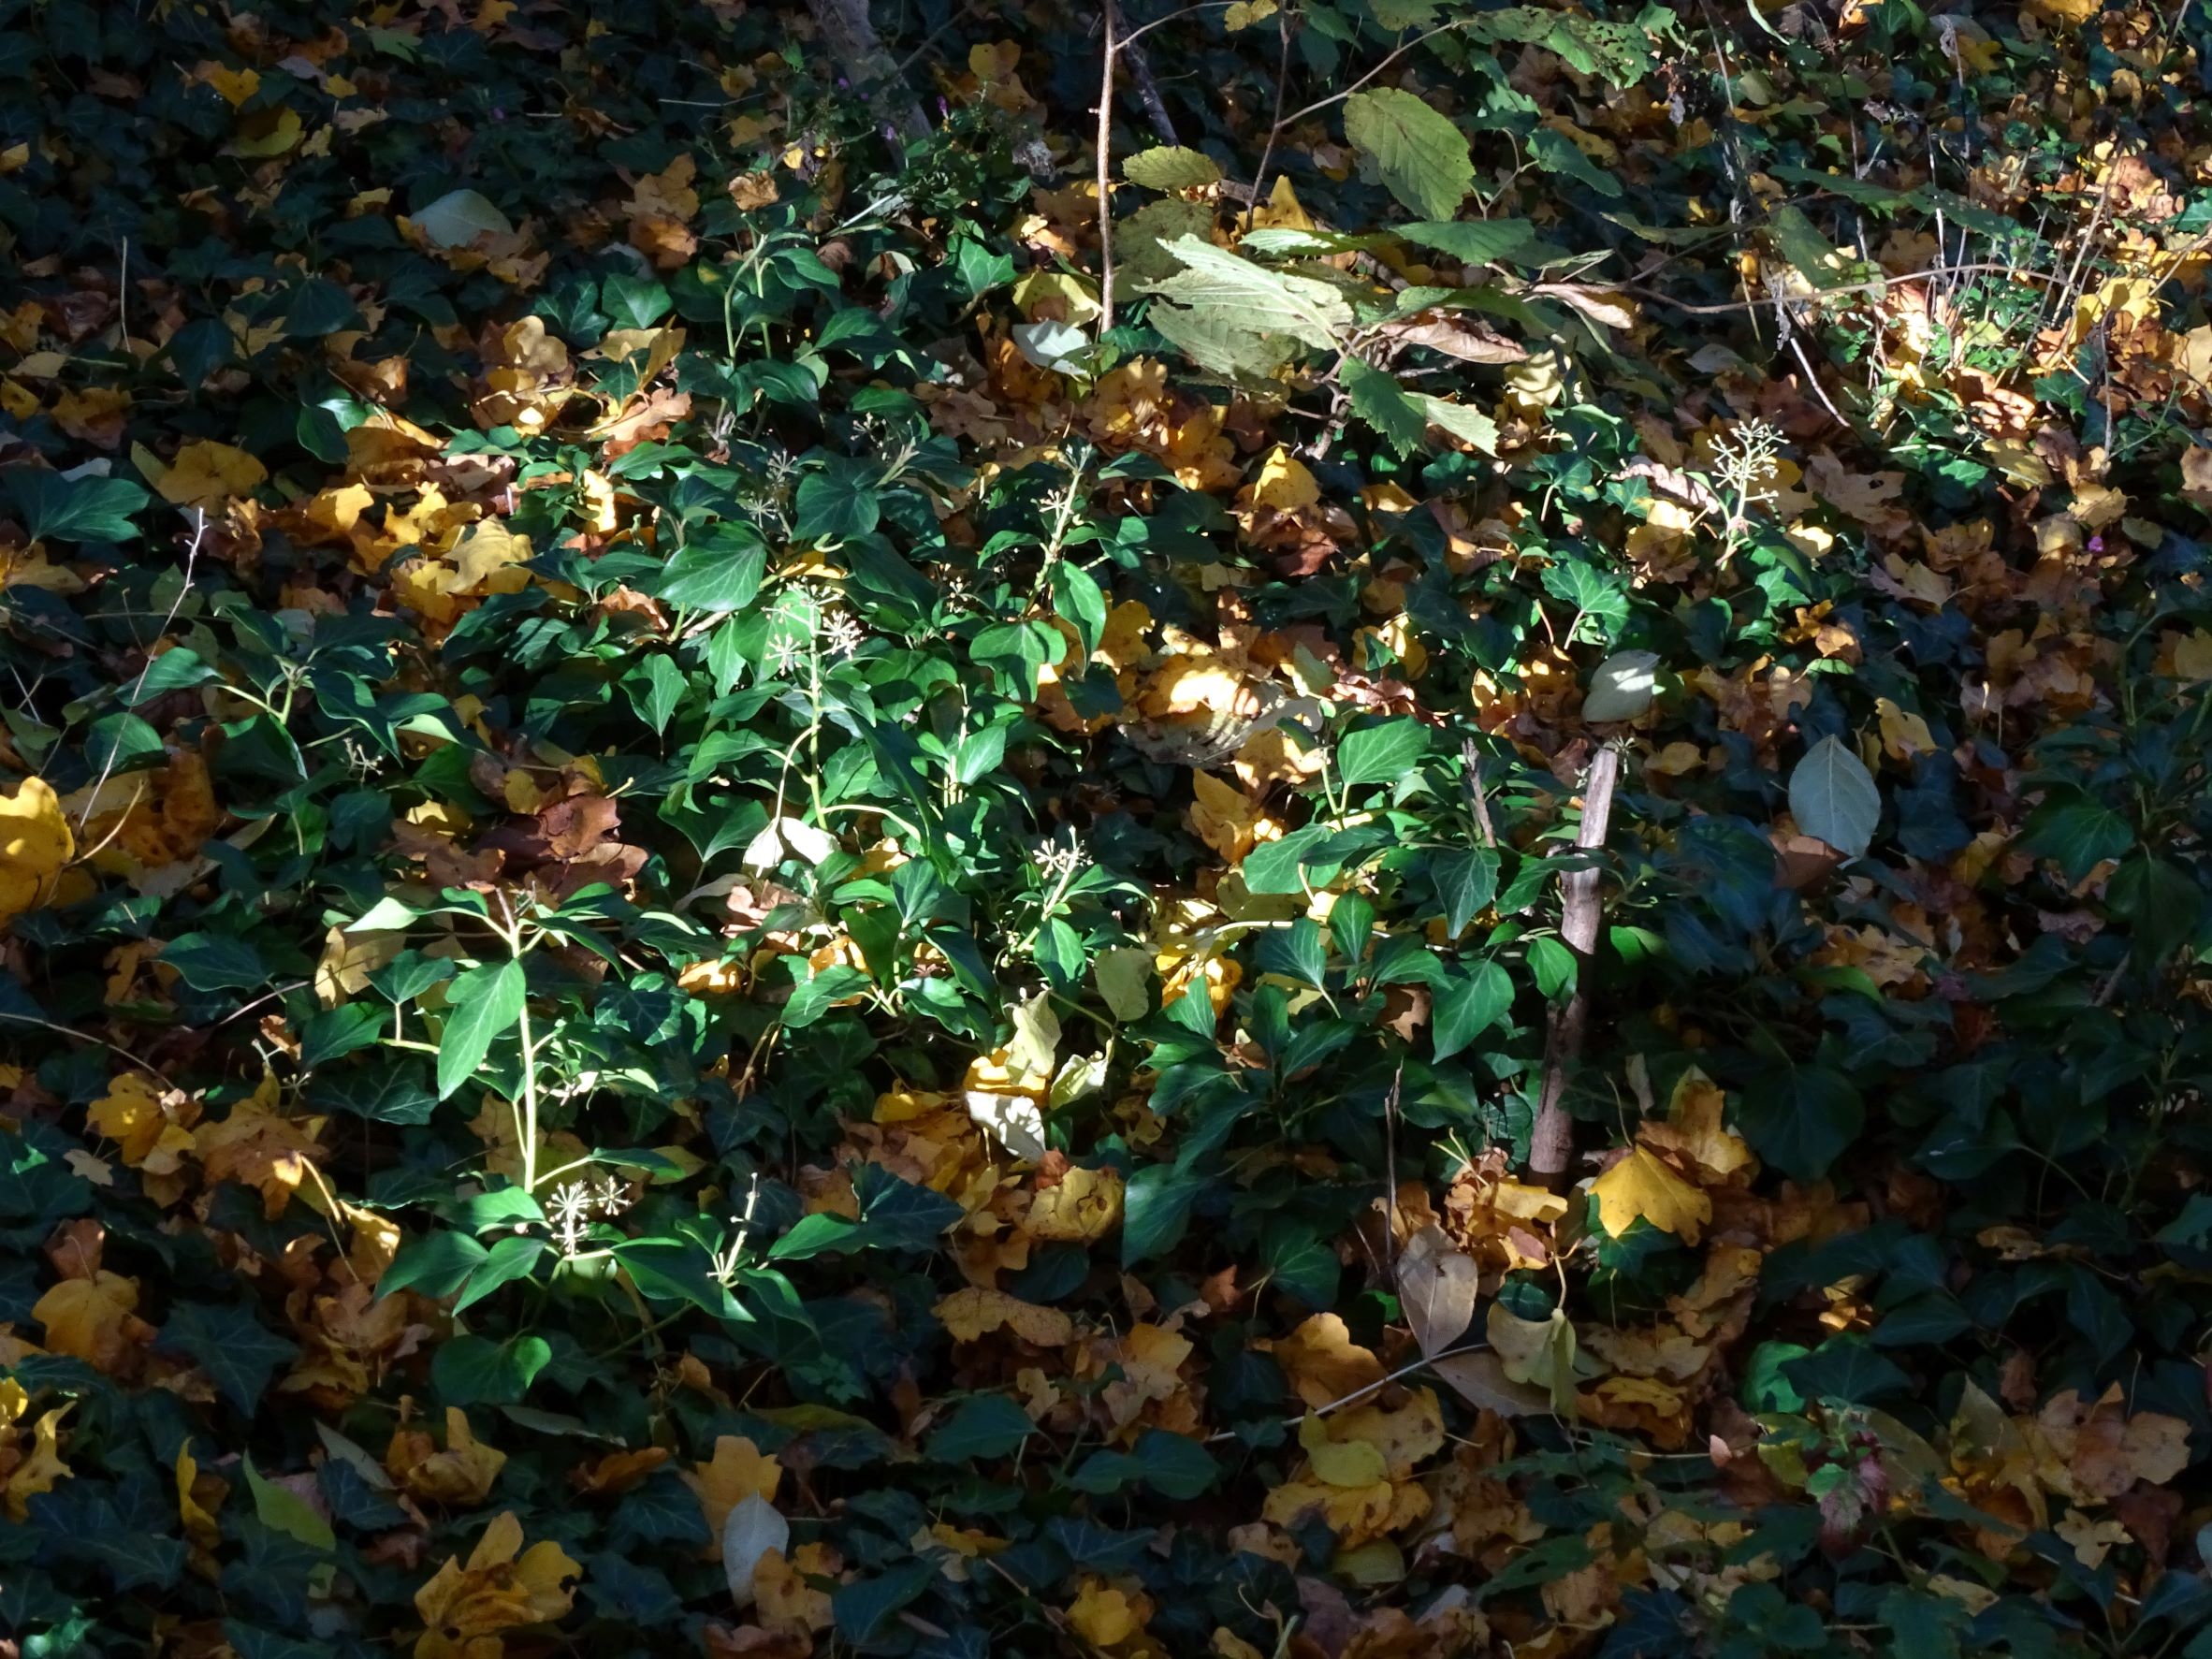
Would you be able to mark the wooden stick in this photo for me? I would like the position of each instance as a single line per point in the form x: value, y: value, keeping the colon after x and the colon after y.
x: 1551, y: 1139
x: 1107, y: 17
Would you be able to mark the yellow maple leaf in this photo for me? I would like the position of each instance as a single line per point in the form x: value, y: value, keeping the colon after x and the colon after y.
x: 35, y: 846
x: 1103, y: 1616
x: 1694, y: 1129
x: 2091, y: 1539
x: 496, y: 1591
x: 130, y: 1114
x: 739, y: 1470
x: 2192, y: 655
x: 1641, y: 1184
x: 256, y: 1148
x: 92, y: 1318
x: 1223, y: 817
x: 270, y: 133
x: 1283, y: 484
x: 235, y: 86
x: 485, y: 552
x: 206, y: 474
x: 1340, y: 1462
x: 786, y: 1604
x: 1284, y: 210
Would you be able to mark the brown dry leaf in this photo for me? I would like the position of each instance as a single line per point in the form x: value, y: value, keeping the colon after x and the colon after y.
x: 257, y: 1148
x: 1481, y: 1380
x: 1437, y: 1286
x: 461, y: 1474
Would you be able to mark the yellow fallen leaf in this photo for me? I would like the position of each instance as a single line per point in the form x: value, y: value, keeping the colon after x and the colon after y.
x: 1323, y: 1362
x: 971, y: 1311
x: 1283, y: 484
x: 1641, y: 1184
x: 2091, y: 1539
x: 1340, y: 1462
x: 257, y: 1147
x: 235, y: 86
x: 206, y: 474
x: 1904, y: 733
x: 1103, y: 1615
x: 495, y: 1591
x: 129, y: 1114
x: 487, y: 548
x: 1085, y: 1205
x: 1222, y: 815
x: 739, y: 1470
x: 270, y: 133
x: 1539, y: 1352
x: 90, y: 1319
x: 1694, y: 1129
x: 199, y: 1523
x: 35, y: 1471
x: 35, y: 845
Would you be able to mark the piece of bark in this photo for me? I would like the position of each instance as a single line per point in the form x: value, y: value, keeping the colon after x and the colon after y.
x: 851, y: 38
x: 1551, y: 1139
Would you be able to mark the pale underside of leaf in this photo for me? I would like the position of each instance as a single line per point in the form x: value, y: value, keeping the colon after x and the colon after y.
x: 753, y: 1530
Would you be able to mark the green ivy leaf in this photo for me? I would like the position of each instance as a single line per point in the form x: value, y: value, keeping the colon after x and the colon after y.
x: 838, y: 501
x: 231, y: 1345
x: 1382, y: 754
x: 986, y: 1426
x: 482, y: 1004
x: 1799, y: 1119
x: 1469, y: 1006
x: 716, y: 571
x: 54, y: 508
x: 473, y: 1370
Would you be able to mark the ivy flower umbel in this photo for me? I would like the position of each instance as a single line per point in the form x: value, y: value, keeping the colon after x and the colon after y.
x: 575, y: 1204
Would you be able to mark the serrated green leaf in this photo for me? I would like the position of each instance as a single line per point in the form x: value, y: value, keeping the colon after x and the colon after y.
x: 1171, y: 166
x: 1377, y: 400
x: 1420, y: 155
